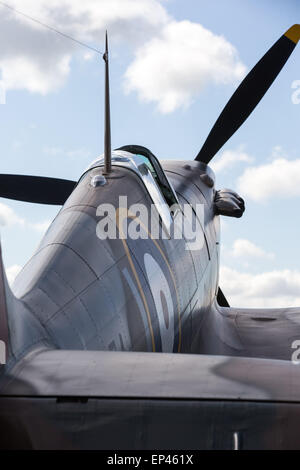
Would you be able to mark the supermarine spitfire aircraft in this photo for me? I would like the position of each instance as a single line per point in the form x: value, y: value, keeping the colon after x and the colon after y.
x: 131, y: 344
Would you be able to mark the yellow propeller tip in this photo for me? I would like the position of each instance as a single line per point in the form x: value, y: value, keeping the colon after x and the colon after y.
x: 293, y: 33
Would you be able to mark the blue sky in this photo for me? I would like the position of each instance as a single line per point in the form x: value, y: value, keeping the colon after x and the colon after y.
x: 52, y: 122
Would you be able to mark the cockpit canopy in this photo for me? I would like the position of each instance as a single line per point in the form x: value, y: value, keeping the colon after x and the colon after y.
x: 140, y: 160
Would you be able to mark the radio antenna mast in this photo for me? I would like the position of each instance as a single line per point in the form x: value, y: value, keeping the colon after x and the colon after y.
x: 107, y: 133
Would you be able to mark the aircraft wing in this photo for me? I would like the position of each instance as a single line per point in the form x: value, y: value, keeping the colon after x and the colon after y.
x: 271, y: 333
x: 130, y: 400
x: 112, y: 374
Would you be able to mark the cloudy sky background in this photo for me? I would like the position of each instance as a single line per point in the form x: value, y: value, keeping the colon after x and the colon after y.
x: 174, y: 65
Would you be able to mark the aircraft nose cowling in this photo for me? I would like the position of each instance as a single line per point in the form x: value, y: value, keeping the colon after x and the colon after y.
x: 229, y: 203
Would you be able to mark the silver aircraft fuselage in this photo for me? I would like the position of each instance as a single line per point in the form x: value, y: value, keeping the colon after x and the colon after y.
x: 122, y: 294
x: 93, y: 325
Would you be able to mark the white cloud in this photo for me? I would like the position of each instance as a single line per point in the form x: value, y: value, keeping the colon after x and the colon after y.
x: 268, y: 289
x: 39, y: 226
x: 38, y: 60
x: 12, y: 273
x: 173, y: 62
x: 244, y: 248
x: 278, y: 152
x: 24, y: 73
x: 279, y: 178
x: 75, y: 153
x: 177, y: 64
x: 8, y: 218
x: 229, y: 158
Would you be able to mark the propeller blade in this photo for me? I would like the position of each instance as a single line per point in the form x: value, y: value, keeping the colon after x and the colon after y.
x: 221, y: 299
x: 37, y: 189
x: 249, y: 93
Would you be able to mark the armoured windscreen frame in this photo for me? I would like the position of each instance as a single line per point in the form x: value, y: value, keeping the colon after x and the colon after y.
x: 159, y: 174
